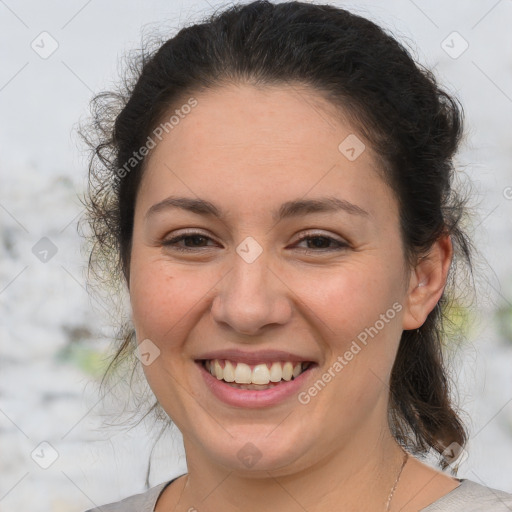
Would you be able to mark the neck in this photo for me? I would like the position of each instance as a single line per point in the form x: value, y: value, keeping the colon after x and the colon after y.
x: 359, y: 474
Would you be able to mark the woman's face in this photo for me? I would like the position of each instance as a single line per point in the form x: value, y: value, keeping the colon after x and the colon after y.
x: 245, y: 287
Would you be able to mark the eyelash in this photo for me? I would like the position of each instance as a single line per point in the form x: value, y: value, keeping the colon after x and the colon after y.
x: 172, y: 241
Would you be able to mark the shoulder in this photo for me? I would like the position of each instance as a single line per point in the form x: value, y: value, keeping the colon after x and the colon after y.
x: 471, y: 496
x: 142, y: 502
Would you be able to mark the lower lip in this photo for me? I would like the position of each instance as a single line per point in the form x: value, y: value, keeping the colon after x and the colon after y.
x: 253, y: 398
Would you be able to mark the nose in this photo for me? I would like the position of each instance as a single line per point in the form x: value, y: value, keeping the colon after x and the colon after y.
x: 251, y: 297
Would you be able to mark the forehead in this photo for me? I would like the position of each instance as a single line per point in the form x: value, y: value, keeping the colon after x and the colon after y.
x: 260, y: 144
x: 260, y: 120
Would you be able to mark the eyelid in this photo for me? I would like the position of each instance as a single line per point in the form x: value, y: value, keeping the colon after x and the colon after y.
x: 321, y: 234
x: 180, y: 235
x: 304, y: 234
x: 173, y: 241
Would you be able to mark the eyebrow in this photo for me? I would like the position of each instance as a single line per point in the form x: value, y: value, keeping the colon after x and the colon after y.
x: 289, y: 209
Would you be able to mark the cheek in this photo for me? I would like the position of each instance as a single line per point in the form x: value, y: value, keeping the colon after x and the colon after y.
x: 344, y: 300
x: 347, y: 299
x: 360, y: 329
x: 160, y: 297
x: 359, y: 308
x: 163, y: 298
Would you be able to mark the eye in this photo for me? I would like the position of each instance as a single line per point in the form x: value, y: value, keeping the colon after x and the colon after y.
x: 197, y: 241
x: 324, y: 239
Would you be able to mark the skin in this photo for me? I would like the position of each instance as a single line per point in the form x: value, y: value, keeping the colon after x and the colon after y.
x: 248, y: 150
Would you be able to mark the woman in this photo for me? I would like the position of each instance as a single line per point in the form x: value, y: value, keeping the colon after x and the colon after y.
x: 277, y: 190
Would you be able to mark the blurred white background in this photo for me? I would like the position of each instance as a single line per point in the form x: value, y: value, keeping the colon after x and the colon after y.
x: 52, y: 334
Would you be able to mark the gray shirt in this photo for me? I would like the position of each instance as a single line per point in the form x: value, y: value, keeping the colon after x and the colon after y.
x: 469, y: 496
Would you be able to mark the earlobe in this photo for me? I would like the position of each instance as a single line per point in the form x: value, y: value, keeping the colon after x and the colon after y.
x: 427, y: 283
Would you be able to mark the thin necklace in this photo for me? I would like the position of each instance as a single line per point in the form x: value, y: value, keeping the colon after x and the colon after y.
x: 406, y: 456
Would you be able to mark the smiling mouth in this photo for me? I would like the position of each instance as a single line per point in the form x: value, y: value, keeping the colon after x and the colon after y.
x: 255, y: 377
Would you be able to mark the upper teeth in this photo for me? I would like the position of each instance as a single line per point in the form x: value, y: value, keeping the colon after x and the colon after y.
x: 241, y: 373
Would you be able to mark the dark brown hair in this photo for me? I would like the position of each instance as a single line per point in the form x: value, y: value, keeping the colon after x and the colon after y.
x: 396, y: 105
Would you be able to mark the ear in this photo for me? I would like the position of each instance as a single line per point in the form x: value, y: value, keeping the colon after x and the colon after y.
x: 427, y: 283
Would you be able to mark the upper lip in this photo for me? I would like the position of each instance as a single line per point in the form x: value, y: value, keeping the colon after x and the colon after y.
x: 254, y: 357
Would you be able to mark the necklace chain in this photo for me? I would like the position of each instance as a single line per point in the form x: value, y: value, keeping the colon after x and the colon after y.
x: 406, y: 456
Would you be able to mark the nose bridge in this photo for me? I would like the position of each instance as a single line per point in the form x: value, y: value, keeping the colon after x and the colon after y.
x: 250, y: 296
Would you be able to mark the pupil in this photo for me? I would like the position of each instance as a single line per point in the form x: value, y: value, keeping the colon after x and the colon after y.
x: 317, y: 239
x: 196, y: 238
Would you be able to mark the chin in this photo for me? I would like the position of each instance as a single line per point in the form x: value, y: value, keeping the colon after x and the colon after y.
x: 254, y: 450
